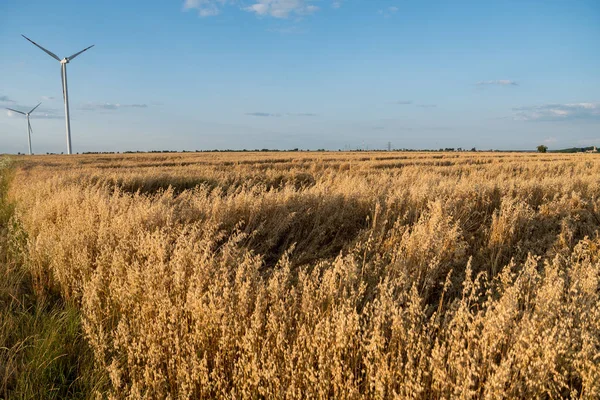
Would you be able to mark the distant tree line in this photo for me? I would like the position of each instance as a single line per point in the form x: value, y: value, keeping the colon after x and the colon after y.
x: 540, y: 149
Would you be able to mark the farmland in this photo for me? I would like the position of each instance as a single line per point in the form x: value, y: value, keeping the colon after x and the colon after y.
x: 303, y: 275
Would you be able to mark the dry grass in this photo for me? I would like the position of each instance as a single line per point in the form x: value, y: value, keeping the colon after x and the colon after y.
x: 320, y: 275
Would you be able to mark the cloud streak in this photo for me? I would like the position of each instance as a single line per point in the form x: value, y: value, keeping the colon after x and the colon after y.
x: 558, y: 112
x: 302, y: 115
x: 109, y: 106
x: 278, y: 115
x: 282, y: 8
x: 409, y: 102
x: 263, y: 114
x: 498, y: 82
x: 47, y: 115
x: 6, y: 99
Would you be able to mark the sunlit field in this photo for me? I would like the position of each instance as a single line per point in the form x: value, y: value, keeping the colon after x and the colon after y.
x: 299, y: 275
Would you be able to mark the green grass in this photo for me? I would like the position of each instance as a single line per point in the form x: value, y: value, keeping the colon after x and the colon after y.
x: 43, y: 354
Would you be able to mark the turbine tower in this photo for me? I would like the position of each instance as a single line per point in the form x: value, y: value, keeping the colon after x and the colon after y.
x: 28, y: 124
x: 63, y: 70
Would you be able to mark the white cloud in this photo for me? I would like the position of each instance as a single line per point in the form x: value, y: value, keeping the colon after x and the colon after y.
x: 558, y: 112
x: 260, y: 9
x: 282, y: 8
x: 206, y: 8
x: 208, y: 11
x: 272, y: 8
x: 277, y: 115
x: 500, y: 82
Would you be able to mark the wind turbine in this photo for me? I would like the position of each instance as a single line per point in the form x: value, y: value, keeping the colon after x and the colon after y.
x: 28, y: 124
x: 63, y: 69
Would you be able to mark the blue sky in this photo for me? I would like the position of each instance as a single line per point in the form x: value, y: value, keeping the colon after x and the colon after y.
x: 205, y: 74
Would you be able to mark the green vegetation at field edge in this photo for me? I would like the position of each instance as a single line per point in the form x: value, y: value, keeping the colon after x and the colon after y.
x: 43, y: 353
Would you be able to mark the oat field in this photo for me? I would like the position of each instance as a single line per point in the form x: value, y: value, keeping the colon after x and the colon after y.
x: 303, y: 275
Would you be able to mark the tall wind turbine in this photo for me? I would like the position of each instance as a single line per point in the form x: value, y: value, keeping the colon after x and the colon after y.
x: 28, y: 124
x: 63, y: 69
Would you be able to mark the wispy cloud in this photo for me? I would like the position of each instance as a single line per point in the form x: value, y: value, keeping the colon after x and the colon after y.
x: 550, y: 140
x: 48, y: 98
x: 388, y: 12
x: 6, y: 99
x: 109, y: 106
x: 410, y: 102
x: 277, y: 115
x: 263, y: 114
x: 498, y: 82
x: 272, y: 8
x: 558, y: 112
x: 282, y: 8
x: 47, y: 115
x: 206, y: 8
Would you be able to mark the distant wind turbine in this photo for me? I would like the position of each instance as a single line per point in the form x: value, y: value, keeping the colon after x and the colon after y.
x: 28, y: 124
x: 63, y: 67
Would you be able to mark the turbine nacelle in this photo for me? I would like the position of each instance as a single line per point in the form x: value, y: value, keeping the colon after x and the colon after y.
x: 64, y: 61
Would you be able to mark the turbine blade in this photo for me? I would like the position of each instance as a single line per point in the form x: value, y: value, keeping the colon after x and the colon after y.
x: 34, y: 108
x: 20, y: 112
x: 76, y: 54
x: 51, y: 54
